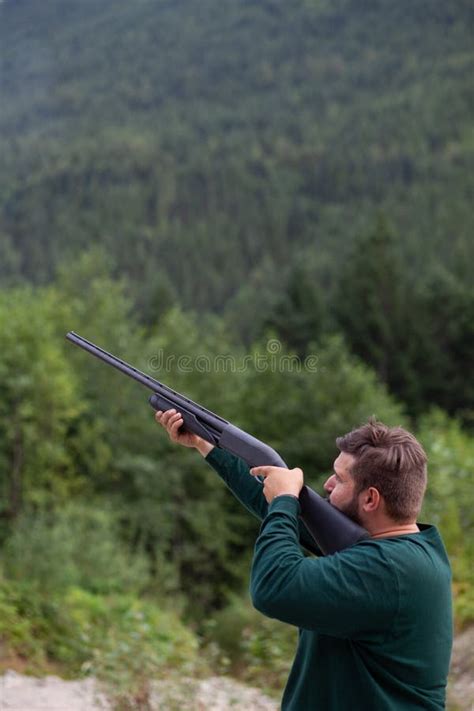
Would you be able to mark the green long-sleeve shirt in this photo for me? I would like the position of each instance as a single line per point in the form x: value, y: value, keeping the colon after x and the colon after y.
x: 375, y: 621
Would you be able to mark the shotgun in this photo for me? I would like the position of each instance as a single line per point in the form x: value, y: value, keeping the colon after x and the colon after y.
x: 329, y: 528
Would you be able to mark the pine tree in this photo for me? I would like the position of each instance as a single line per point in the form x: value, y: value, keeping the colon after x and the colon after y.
x: 446, y: 344
x: 373, y: 307
x: 298, y: 315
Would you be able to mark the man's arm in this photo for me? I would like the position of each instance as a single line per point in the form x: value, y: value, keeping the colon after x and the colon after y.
x: 347, y: 594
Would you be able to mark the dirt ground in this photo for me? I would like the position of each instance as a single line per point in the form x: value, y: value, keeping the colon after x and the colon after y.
x: 19, y: 692
x: 461, y: 682
x: 22, y: 693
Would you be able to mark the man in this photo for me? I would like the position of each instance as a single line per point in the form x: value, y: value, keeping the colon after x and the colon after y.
x: 375, y: 621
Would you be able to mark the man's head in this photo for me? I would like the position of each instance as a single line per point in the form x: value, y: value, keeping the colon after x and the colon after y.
x: 380, y: 471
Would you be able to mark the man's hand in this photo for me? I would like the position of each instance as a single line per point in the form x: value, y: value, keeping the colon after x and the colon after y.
x: 279, y: 481
x: 172, y: 421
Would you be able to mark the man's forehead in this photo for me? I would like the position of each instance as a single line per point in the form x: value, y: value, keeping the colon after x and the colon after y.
x: 343, y: 463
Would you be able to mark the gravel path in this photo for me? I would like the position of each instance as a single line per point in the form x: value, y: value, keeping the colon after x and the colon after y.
x: 50, y: 693
x: 461, y: 683
x: 24, y: 693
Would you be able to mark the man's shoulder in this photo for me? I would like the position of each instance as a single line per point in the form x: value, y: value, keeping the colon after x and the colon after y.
x: 413, y: 551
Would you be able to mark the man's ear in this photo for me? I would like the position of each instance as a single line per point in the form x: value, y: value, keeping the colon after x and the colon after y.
x: 371, y: 499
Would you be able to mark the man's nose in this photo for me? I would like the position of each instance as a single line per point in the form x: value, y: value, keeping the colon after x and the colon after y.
x: 329, y: 484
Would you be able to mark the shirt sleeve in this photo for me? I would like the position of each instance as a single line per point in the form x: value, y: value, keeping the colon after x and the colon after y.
x: 236, y: 475
x: 350, y: 594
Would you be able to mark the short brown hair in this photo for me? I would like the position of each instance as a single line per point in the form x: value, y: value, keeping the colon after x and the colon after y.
x: 391, y: 460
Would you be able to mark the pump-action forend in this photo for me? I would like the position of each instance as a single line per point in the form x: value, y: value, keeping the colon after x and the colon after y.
x: 330, y: 529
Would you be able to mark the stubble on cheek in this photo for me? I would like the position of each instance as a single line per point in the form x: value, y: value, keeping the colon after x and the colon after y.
x: 351, y: 510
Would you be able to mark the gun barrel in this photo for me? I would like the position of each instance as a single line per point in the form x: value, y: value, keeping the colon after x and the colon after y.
x: 118, y: 363
x: 210, y: 418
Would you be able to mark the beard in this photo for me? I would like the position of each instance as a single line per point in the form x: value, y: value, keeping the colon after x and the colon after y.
x: 351, y: 510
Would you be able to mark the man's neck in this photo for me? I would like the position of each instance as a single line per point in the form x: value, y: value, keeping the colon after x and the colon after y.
x: 392, y: 530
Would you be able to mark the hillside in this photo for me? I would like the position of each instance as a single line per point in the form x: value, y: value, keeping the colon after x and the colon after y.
x: 207, y: 144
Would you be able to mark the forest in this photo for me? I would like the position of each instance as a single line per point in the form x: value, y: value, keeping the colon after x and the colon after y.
x: 245, y: 183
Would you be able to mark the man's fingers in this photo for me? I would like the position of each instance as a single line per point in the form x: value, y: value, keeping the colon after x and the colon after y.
x: 174, y: 418
x: 174, y: 427
x: 168, y: 418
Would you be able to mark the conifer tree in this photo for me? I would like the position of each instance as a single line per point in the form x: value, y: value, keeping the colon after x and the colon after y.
x: 373, y: 306
x: 446, y: 344
x: 298, y: 316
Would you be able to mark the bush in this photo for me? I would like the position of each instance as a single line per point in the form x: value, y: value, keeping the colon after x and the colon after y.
x: 448, y: 501
x: 124, y: 642
x: 135, y: 642
x: 257, y: 649
x: 78, y: 545
x: 17, y: 630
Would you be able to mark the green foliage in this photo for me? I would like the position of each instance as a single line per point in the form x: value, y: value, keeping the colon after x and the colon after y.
x: 448, y: 501
x: 17, y: 627
x: 418, y: 336
x: 443, y: 344
x: 246, y: 644
x: 371, y: 283
x: 96, y: 305
x: 299, y: 314
x: 76, y: 545
x: 129, y: 641
x: 37, y: 405
x: 123, y: 641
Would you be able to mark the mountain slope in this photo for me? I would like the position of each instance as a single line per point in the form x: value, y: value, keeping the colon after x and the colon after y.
x: 194, y: 140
